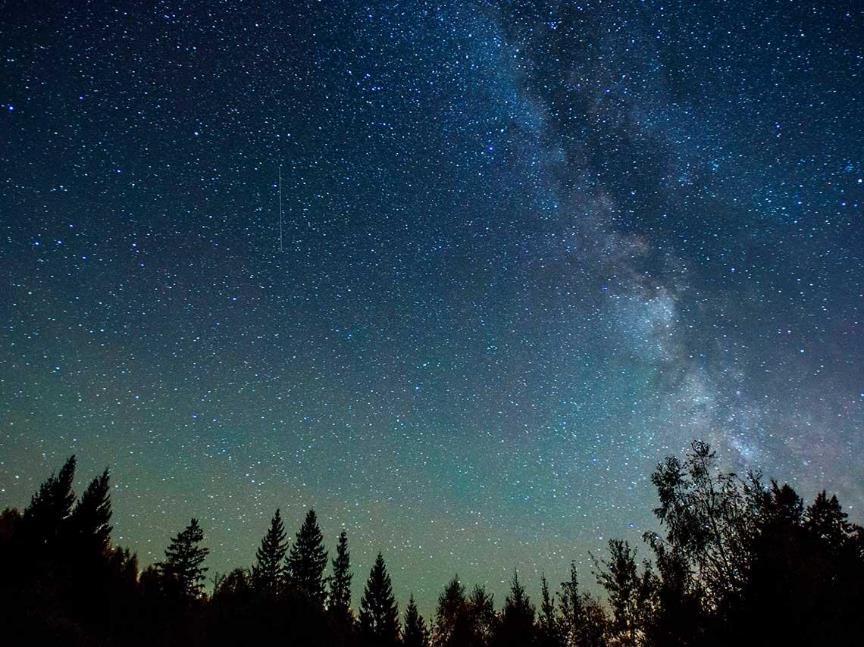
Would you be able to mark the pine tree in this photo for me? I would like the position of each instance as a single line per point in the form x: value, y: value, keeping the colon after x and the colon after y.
x: 572, y: 611
x: 340, y: 583
x: 549, y: 627
x: 307, y: 560
x: 826, y: 520
x: 45, y: 518
x: 182, y: 571
x: 379, y: 614
x: 480, y: 621
x: 416, y: 634
x: 268, y: 571
x: 90, y: 521
x: 452, y: 627
x: 517, y: 618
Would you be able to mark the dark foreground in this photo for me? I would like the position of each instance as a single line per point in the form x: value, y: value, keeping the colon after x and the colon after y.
x: 738, y: 562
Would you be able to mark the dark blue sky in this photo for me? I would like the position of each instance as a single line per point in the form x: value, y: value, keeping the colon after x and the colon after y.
x: 530, y: 248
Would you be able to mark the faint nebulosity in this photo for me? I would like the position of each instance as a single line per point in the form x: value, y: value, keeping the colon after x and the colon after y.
x: 530, y: 248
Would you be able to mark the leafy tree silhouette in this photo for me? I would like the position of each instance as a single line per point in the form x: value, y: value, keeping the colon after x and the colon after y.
x: 379, y: 614
x: 711, y: 520
x: 630, y: 593
x: 307, y: 560
x: 268, y: 570
x: 679, y: 617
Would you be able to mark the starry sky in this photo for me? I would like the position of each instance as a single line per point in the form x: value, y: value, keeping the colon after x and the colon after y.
x: 528, y: 248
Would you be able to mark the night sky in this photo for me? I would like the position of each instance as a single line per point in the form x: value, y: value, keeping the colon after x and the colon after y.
x: 529, y: 249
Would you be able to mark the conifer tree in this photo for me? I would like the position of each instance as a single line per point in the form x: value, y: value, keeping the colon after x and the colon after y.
x: 90, y: 521
x: 45, y: 518
x: 416, y: 633
x: 517, y: 618
x: 451, y: 620
x: 549, y: 626
x: 307, y: 560
x: 826, y: 520
x: 182, y: 571
x: 268, y: 571
x: 340, y: 583
x: 572, y: 609
x: 481, y: 621
x: 379, y: 614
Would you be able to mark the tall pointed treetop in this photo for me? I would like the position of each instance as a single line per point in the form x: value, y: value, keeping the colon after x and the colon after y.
x: 379, y: 615
x: 307, y: 560
x: 339, y: 601
x: 91, y: 518
x: 182, y: 570
x: 268, y: 571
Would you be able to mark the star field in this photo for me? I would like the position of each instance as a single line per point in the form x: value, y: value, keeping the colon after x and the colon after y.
x: 529, y: 249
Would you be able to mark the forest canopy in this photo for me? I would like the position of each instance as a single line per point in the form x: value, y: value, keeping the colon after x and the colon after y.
x: 736, y: 561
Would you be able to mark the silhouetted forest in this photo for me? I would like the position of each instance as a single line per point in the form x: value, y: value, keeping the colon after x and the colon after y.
x: 738, y: 561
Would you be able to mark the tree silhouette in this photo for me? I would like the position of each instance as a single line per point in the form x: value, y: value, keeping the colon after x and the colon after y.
x: 516, y: 627
x: 481, y: 620
x: 826, y: 520
x: 10, y: 520
x: 90, y: 520
x: 452, y: 620
x: 548, y: 625
x: 679, y: 617
x: 268, y: 570
x: 45, y: 518
x: 795, y: 577
x: 571, y: 611
x: 415, y: 633
x: 307, y: 560
x: 711, y: 519
x: 182, y: 571
x: 630, y: 594
x: 339, y: 601
x: 379, y: 614
x: 581, y: 619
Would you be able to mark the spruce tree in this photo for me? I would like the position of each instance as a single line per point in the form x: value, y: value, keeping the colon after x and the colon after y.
x: 549, y: 626
x: 379, y: 614
x: 415, y: 634
x: 340, y: 583
x: 572, y: 611
x: 517, y: 618
x: 481, y: 621
x: 90, y: 521
x: 268, y: 571
x: 307, y: 560
x: 827, y: 522
x: 452, y: 622
x: 45, y: 518
x: 182, y: 571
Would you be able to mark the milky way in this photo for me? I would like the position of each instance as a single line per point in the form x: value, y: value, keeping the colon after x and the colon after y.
x: 530, y: 248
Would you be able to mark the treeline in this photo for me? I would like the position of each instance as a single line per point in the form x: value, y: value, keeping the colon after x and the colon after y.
x: 738, y: 562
